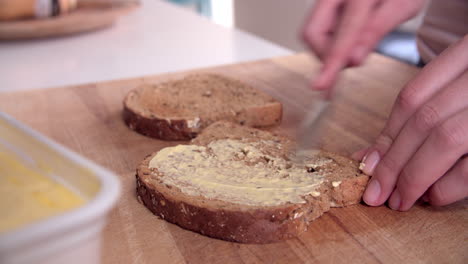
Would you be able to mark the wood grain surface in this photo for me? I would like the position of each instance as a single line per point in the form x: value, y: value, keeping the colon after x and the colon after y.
x: 87, y: 119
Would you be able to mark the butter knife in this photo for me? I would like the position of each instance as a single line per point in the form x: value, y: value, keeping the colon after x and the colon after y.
x: 308, y: 137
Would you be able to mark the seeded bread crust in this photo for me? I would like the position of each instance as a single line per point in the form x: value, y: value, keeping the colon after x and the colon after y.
x: 145, y: 108
x: 245, y: 223
x: 157, y: 128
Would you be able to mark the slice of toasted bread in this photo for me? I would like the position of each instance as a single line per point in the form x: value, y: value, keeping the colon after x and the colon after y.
x: 242, y: 184
x: 180, y: 109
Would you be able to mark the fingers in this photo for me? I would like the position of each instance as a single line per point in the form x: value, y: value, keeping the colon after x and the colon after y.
x: 355, y: 16
x: 342, y: 41
x: 387, y: 16
x: 414, y: 133
x: 432, y: 78
x: 320, y: 22
x: 453, y: 186
x: 444, y: 146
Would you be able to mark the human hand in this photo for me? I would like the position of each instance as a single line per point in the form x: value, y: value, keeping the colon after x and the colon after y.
x: 423, y: 148
x: 343, y: 32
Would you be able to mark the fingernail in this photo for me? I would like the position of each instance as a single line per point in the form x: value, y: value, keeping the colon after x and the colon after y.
x: 395, y: 201
x: 369, y: 162
x: 372, y: 193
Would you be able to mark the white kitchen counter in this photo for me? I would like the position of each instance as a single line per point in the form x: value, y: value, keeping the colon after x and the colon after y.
x: 157, y: 37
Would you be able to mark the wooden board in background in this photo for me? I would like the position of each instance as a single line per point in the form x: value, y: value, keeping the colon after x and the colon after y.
x: 87, y: 119
x: 77, y: 21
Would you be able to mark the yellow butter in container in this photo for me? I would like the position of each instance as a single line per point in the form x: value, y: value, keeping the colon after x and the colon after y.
x: 27, y: 195
x: 53, y: 202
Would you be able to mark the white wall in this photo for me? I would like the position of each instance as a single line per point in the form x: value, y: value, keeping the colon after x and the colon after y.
x: 275, y: 20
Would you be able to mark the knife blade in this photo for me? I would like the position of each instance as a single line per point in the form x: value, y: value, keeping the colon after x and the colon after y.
x: 308, y: 137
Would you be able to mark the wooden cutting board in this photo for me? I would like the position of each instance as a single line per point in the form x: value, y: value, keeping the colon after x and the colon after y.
x: 87, y: 118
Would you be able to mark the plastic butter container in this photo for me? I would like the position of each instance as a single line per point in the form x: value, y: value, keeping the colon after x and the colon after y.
x: 53, y: 202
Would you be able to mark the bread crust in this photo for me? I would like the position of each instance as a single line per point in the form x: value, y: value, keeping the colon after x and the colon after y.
x: 157, y: 128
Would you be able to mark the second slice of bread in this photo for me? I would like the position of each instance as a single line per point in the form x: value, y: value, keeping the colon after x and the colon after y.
x: 243, y: 184
x: 180, y: 109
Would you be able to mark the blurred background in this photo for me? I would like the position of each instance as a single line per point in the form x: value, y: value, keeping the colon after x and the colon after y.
x: 278, y: 21
x: 150, y: 36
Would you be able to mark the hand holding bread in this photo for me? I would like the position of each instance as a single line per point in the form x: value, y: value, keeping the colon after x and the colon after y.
x: 422, y: 150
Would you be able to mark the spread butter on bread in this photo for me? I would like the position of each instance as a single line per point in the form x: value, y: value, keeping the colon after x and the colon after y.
x: 243, y: 184
x: 180, y: 109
